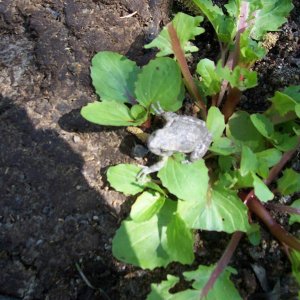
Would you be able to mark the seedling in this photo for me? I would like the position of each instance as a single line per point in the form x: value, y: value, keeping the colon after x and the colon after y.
x: 247, y: 153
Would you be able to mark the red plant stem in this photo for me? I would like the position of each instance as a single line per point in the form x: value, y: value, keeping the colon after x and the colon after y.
x: 283, y: 208
x: 232, y: 100
x: 222, y: 263
x: 189, y: 81
x: 281, y: 234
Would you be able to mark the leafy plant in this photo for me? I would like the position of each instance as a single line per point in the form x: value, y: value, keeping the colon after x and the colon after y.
x: 248, y: 151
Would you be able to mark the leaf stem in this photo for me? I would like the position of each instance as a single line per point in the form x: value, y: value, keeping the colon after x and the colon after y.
x: 189, y: 81
x: 222, y: 263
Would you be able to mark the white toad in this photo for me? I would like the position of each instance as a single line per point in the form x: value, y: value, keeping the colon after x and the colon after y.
x: 182, y: 134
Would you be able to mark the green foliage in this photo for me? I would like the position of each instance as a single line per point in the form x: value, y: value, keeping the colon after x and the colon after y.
x: 295, y: 218
x: 160, y: 81
x: 114, y: 76
x: 187, y: 29
x: 222, y: 289
x: 289, y: 183
x: 270, y: 17
x: 182, y: 179
x: 203, y: 195
x: 154, y: 242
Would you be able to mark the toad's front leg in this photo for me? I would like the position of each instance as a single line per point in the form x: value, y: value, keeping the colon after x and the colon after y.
x: 154, y: 168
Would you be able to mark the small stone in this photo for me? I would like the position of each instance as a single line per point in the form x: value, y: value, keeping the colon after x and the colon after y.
x: 95, y: 218
x: 76, y: 139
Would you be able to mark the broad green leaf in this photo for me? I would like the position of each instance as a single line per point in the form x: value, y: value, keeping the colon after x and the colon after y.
x: 110, y: 113
x: 262, y: 124
x: 243, y: 181
x: 187, y: 181
x: 241, y: 78
x: 123, y: 178
x: 180, y: 240
x: 160, y: 81
x: 297, y: 110
x: 289, y: 183
x: 242, y: 131
x: 224, y: 26
x: 223, y: 146
x: 248, y: 161
x: 187, y: 28
x: 161, y: 291
x: 145, y: 244
x: 146, y: 206
x: 215, y: 122
x: 294, y: 218
x: 233, y: 8
x: 113, y: 76
x: 220, y: 210
x: 261, y: 191
x: 295, y: 261
x: 270, y: 17
x: 211, y: 81
x: 222, y: 289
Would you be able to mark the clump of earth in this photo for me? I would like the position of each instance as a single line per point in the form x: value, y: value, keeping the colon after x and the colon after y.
x: 57, y: 213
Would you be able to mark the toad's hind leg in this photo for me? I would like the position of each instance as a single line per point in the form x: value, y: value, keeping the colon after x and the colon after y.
x: 199, y: 152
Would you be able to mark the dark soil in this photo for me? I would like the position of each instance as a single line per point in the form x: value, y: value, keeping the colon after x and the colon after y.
x: 56, y: 210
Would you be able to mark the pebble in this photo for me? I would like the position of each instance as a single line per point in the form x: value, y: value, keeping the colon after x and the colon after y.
x: 76, y: 139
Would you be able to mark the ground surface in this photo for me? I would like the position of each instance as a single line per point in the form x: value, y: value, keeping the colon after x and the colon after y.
x: 55, y: 207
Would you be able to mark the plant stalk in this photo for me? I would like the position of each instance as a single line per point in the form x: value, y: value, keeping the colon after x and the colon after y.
x: 222, y: 263
x: 189, y: 81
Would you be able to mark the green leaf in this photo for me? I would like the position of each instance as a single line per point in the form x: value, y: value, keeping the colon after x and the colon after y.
x: 215, y: 122
x: 113, y: 76
x: 254, y: 234
x: 284, y: 142
x: 261, y: 191
x: 224, y: 26
x: 241, y: 78
x: 248, y: 161
x: 211, y: 81
x: 146, y: 244
x: 187, y: 29
x: 270, y: 157
x: 180, y: 240
x: 161, y: 291
x: 225, y: 163
x: 123, y: 178
x: 223, y: 146
x: 270, y: 17
x: 286, y: 101
x: 110, y: 113
x: 222, y: 289
x: 138, y: 112
x: 295, y: 218
x: 242, y: 131
x: 187, y: 181
x: 295, y: 261
x: 146, y: 206
x: 219, y: 210
x: 160, y: 81
x: 262, y: 124
x: 267, y: 159
x: 250, y: 50
x: 289, y: 183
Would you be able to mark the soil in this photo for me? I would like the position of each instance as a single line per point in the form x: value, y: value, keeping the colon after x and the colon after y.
x: 57, y: 214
